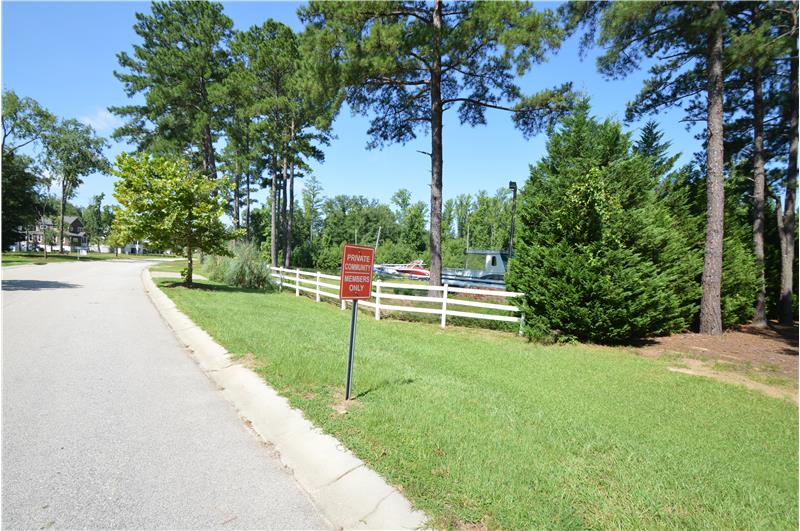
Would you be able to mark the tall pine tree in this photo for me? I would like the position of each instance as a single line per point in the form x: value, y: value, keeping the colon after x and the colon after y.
x: 410, y: 62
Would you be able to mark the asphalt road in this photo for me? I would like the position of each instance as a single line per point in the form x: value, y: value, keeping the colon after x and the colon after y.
x: 108, y: 423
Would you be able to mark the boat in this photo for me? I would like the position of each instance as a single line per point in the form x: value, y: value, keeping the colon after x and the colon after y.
x: 483, y: 268
x: 413, y: 269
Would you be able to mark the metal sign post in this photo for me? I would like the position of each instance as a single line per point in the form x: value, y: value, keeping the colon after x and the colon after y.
x: 353, y: 322
x: 355, y: 284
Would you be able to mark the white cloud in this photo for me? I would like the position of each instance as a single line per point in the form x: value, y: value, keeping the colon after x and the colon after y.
x: 102, y: 120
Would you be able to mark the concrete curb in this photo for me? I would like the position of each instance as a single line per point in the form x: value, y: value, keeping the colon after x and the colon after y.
x: 348, y: 493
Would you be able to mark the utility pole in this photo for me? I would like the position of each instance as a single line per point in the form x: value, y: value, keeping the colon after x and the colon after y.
x: 513, y: 187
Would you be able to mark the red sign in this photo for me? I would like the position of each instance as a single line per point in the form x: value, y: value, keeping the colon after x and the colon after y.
x: 356, y: 280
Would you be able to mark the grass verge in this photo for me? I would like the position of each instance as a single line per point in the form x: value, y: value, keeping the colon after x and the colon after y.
x: 480, y: 427
x: 11, y: 258
x: 170, y: 267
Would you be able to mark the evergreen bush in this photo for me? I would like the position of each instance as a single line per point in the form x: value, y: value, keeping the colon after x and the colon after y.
x: 598, y: 256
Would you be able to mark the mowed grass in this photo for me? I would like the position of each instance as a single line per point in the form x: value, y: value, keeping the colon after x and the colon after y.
x: 481, y: 427
x: 175, y: 266
x: 11, y: 258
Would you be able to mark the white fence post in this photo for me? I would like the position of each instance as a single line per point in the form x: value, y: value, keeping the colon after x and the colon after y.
x: 444, y: 306
x: 297, y: 282
x: 280, y: 272
x: 317, y: 286
x: 521, y: 323
x: 378, y: 301
x: 344, y: 304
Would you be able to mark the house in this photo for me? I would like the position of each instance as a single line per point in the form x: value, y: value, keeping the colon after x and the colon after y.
x: 74, y: 234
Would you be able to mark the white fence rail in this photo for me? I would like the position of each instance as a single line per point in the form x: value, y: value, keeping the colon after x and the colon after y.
x: 322, y: 285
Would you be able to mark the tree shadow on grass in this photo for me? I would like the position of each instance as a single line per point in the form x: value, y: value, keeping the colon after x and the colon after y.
x: 386, y: 383
x: 36, y: 285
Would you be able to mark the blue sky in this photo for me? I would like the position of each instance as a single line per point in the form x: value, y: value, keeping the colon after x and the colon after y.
x: 63, y: 54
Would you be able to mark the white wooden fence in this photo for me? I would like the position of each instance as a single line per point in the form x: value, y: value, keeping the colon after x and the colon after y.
x: 322, y: 285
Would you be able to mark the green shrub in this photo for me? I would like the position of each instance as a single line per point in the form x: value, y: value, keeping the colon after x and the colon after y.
x: 599, y: 257
x: 246, y: 268
x: 214, y: 267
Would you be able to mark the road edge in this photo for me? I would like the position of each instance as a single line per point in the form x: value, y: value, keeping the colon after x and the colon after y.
x: 347, y: 492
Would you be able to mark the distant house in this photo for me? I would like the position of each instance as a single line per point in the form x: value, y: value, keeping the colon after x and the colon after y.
x: 74, y: 234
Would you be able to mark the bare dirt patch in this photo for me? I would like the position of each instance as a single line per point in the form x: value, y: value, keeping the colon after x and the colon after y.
x: 248, y: 359
x: 340, y: 405
x: 699, y: 368
x: 764, y: 359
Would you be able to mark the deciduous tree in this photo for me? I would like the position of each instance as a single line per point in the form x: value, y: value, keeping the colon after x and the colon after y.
x: 170, y: 205
x: 20, y: 200
x: 73, y: 151
x: 24, y: 121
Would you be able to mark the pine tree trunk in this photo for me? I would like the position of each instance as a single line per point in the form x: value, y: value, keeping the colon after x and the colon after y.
x: 237, y: 180
x: 61, y: 215
x: 290, y: 218
x: 710, y: 306
x: 287, y: 243
x: 760, y: 313
x: 787, y: 227
x: 273, y: 232
x: 208, y: 153
x: 247, y: 206
x: 284, y: 182
x: 209, y: 162
x: 436, y: 151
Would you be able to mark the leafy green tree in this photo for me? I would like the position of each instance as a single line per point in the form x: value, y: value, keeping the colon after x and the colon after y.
x: 410, y: 62
x: 24, y: 121
x: 463, y: 208
x: 448, y: 219
x: 686, y: 40
x: 72, y: 151
x: 598, y: 255
x: 20, y: 199
x: 413, y: 230
x: 402, y: 200
x: 312, y: 206
x: 170, y: 205
x: 453, y: 254
x: 490, y: 220
x: 178, y: 69
x: 97, y: 221
x: 395, y: 253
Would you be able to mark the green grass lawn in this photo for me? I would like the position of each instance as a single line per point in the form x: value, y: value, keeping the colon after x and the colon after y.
x: 483, y: 427
x: 9, y: 259
x: 172, y: 267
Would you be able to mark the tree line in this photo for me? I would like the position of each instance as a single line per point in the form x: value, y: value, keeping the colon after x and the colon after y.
x: 398, y: 229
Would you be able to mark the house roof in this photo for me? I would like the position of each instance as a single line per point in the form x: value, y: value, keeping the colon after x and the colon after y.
x: 67, y: 220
